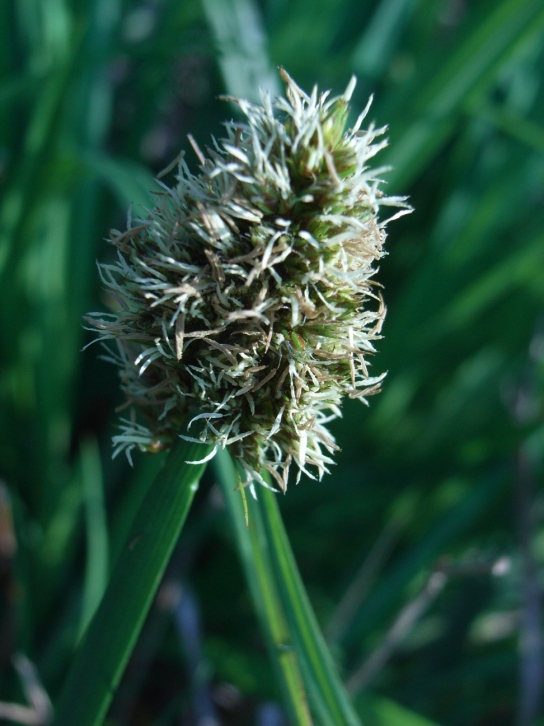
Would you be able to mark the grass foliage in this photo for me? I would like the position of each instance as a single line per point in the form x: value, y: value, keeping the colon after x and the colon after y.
x: 421, y: 552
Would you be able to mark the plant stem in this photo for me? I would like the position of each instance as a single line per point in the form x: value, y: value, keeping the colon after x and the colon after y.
x: 260, y: 577
x: 326, y: 690
x: 101, y: 658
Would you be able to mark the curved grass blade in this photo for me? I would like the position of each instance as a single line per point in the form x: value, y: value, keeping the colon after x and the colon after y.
x: 466, y: 74
x: 108, y: 642
x: 96, y: 571
x: 255, y: 558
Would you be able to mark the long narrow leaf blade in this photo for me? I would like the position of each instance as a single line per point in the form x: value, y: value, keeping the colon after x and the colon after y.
x: 108, y: 642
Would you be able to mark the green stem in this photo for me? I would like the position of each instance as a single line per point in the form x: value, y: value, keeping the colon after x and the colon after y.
x: 318, y: 669
x: 255, y: 558
x: 101, y: 658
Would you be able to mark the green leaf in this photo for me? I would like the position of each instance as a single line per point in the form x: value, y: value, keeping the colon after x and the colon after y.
x: 450, y: 525
x: 241, y: 46
x: 467, y: 71
x: 96, y: 571
x: 378, y: 711
x: 130, y: 182
x: 108, y: 642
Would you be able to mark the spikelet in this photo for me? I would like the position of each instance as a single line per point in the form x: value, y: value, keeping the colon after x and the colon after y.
x: 246, y: 299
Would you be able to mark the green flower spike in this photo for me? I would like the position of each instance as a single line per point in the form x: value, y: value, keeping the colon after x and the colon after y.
x: 246, y: 298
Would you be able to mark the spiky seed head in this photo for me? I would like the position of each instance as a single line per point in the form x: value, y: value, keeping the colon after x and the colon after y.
x: 246, y: 298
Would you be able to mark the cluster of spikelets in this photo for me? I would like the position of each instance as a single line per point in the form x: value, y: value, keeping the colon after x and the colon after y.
x: 245, y: 299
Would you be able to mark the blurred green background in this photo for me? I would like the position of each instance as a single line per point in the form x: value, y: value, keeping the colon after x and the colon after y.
x: 422, y: 552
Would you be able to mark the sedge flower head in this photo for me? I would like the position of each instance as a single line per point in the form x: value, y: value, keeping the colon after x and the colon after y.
x: 245, y: 297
